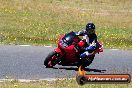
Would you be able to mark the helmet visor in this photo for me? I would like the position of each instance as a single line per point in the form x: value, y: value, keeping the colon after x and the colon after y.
x: 91, y: 31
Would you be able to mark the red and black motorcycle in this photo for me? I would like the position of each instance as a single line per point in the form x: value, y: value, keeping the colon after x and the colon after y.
x: 68, y: 52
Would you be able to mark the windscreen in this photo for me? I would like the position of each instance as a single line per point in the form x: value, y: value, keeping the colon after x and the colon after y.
x: 67, y: 39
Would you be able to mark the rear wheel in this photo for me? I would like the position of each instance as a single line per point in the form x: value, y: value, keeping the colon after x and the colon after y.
x: 49, y: 61
x: 87, y: 61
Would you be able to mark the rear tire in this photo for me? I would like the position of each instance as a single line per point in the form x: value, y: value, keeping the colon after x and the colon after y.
x: 48, y: 60
x: 87, y: 61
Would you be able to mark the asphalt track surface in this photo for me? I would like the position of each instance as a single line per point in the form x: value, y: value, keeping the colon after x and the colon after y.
x: 26, y: 62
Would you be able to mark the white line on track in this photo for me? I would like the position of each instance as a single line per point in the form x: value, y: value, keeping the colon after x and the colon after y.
x: 52, y: 46
x: 115, y: 49
x: 29, y: 80
x: 24, y: 45
x: 47, y: 46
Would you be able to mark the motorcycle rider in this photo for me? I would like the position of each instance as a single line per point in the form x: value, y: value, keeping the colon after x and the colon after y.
x: 91, y: 38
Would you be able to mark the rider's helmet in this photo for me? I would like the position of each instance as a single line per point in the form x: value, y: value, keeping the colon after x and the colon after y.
x: 90, y: 28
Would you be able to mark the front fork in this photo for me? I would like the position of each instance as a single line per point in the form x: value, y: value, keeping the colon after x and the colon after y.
x: 59, y: 55
x: 59, y: 51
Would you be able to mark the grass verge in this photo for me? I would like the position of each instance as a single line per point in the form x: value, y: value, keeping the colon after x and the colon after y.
x: 65, y: 83
x: 39, y: 22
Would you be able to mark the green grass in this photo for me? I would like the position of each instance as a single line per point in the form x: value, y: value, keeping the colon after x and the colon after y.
x: 66, y: 83
x: 40, y: 22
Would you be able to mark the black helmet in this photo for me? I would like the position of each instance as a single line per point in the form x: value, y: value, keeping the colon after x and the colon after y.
x: 90, y: 28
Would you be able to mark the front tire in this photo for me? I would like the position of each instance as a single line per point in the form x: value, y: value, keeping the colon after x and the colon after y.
x: 48, y: 62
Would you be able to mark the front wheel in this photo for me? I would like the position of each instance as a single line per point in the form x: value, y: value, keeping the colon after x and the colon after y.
x: 49, y: 60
